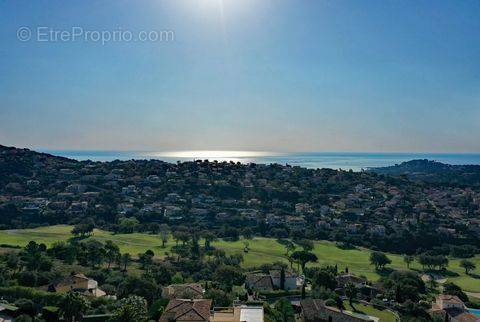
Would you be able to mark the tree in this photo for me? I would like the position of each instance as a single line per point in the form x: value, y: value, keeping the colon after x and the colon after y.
x: 125, y: 259
x: 453, y: 289
x: 146, y: 259
x: 128, y: 224
x: 284, y: 311
x: 379, y: 259
x: 140, y: 286
x: 306, y: 244
x: 177, y: 278
x: 132, y: 308
x: 195, y: 247
x: 13, y: 261
x: 164, y: 231
x: 304, y: 257
x: 93, y: 251
x: 220, y: 298
x: 404, y: 285
x: 433, y: 261
x: 325, y: 277
x: 161, y: 273
x: 84, y: 229
x: 227, y: 276
x: 111, y: 252
x: 351, y: 293
x: 183, y: 236
x: 408, y: 259
x: 282, y: 278
x: 26, y: 306
x: 467, y: 265
x: 289, y: 248
x: 23, y: 318
x: 73, y: 306
x: 209, y: 237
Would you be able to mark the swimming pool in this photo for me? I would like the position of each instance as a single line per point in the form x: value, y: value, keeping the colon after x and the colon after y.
x: 475, y: 311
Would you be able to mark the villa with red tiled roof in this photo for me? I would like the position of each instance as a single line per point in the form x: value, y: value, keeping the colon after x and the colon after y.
x: 195, y: 310
x: 451, y: 308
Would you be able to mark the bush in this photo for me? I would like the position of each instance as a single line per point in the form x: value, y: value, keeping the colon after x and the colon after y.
x: 27, y: 278
x: 50, y: 313
x: 378, y: 304
x: 280, y: 293
x: 23, y: 318
x: 26, y: 306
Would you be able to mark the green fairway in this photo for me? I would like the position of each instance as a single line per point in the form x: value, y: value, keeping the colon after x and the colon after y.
x: 262, y: 250
x: 128, y: 243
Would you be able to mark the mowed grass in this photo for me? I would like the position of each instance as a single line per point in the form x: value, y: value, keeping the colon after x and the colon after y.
x: 383, y: 315
x: 262, y: 251
x: 129, y: 243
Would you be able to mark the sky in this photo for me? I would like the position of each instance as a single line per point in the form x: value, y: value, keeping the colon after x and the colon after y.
x: 262, y: 75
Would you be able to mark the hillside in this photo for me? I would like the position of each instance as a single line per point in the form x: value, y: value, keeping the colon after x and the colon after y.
x: 434, y: 172
x: 230, y: 199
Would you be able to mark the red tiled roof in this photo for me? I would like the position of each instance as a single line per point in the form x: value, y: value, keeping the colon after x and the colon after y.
x: 186, y: 310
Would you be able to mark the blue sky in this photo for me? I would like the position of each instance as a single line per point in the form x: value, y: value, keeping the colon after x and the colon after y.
x: 274, y: 75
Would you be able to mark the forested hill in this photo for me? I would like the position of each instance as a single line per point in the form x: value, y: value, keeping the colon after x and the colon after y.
x: 434, y: 172
x: 15, y: 161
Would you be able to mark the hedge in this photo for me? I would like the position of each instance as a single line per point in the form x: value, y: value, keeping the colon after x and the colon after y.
x: 43, y: 298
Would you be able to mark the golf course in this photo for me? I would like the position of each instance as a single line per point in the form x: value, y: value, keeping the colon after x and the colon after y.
x: 261, y: 250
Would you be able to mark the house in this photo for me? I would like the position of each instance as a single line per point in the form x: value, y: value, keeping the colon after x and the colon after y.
x: 259, y: 282
x: 450, y: 308
x: 77, y: 283
x: 76, y: 188
x: 241, y: 313
x: 130, y: 190
x: 365, y: 290
x: 272, y: 219
x: 314, y: 310
x: 173, y: 212
x: 195, y: 310
x: 295, y: 222
x: 290, y: 279
x: 183, y: 291
x: 344, y: 279
x: 378, y: 230
x: 322, y: 224
x: 303, y: 208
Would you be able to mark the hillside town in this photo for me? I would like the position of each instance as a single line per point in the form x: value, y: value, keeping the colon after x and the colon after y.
x: 359, y: 208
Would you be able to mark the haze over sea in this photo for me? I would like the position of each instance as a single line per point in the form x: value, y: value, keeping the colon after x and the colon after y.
x: 334, y: 160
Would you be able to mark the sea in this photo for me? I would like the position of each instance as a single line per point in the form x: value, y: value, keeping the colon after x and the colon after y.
x: 355, y: 161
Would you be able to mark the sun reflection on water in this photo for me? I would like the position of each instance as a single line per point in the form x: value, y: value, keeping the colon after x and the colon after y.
x: 219, y: 155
